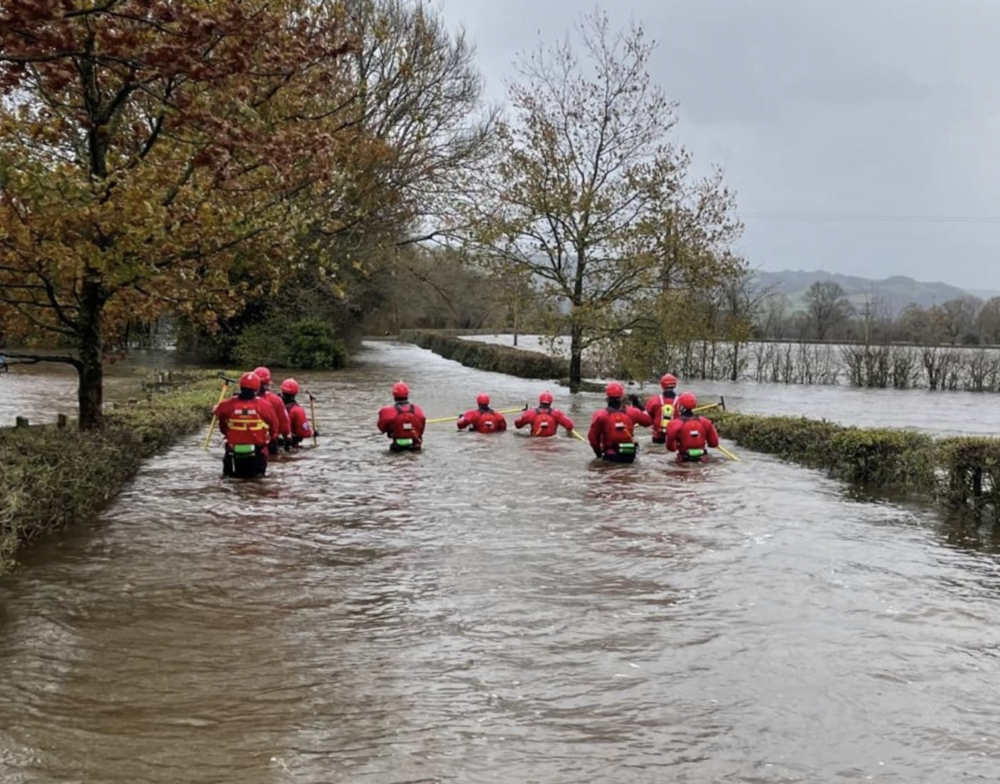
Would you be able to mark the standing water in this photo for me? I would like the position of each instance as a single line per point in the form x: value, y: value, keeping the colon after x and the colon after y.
x: 496, y: 609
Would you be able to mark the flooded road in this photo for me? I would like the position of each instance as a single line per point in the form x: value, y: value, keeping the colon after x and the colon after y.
x: 497, y: 609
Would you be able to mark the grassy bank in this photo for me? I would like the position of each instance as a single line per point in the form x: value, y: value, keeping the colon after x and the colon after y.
x: 53, y: 477
x: 958, y: 472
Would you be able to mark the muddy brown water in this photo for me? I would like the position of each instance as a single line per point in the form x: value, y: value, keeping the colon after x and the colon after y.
x: 498, y: 610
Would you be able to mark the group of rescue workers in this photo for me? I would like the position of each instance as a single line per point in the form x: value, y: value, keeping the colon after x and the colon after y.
x: 257, y: 423
x: 672, y: 417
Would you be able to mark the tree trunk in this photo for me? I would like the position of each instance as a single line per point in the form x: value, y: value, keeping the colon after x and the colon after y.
x: 575, y: 358
x: 734, y: 372
x: 91, y: 367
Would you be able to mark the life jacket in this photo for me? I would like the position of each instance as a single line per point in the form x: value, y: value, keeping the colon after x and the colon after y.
x: 246, y: 429
x: 691, y: 440
x: 404, y: 426
x: 666, y: 411
x: 618, y: 430
x: 544, y: 423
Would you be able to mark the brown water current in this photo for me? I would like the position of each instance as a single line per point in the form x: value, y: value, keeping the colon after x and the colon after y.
x: 498, y: 609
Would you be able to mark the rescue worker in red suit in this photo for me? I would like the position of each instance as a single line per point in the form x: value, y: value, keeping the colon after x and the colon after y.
x: 483, y: 419
x: 544, y: 420
x: 612, y: 429
x: 247, y: 422
x: 284, y: 430
x: 662, y: 408
x: 298, y: 421
x: 403, y: 422
x: 690, y: 435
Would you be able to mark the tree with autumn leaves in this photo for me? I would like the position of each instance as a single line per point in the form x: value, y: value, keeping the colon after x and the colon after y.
x: 147, y: 147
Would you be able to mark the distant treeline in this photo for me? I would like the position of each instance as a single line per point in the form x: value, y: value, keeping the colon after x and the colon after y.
x: 829, y: 315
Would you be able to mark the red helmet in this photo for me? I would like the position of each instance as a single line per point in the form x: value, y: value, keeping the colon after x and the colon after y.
x: 250, y: 381
x: 290, y: 387
x: 482, y: 399
x: 545, y: 398
x: 263, y: 374
x: 668, y: 382
x: 400, y: 391
x: 614, y: 389
x: 688, y: 401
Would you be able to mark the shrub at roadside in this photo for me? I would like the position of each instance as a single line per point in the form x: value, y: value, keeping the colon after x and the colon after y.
x: 52, y: 477
x: 309, y: 344
x: 972, y: 466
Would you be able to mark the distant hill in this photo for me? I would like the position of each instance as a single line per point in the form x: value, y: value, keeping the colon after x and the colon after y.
x: 897, y: 292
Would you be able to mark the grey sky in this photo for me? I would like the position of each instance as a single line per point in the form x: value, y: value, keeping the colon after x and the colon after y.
x: 868, y: 108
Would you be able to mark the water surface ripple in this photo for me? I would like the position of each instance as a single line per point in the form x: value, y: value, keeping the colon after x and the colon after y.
x: 497, y: 610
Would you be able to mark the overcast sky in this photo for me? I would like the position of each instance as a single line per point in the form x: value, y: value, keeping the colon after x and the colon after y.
x: 818, y: 111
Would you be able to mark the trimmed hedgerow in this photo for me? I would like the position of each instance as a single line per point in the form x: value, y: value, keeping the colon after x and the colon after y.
x: 485, y: 356
x: 955, y: 471
x: 971, y: 467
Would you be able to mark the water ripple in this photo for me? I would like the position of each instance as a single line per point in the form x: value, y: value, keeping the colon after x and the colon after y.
x: 497, y: 609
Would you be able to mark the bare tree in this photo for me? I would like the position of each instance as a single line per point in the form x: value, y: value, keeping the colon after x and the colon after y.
x: 828, y: 307
x: 958, y: 317
x: 988, y: 322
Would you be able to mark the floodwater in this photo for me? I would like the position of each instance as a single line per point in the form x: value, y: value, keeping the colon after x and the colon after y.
x: 498, y: 609
x: 939, y: 413
x: 41, y: 392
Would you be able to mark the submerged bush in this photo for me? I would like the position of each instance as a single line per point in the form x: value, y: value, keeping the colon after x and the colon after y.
x: 793, y: 438
x: 883, y: 457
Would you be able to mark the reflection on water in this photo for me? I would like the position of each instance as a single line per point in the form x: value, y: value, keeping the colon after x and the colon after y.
x: 498, y: 609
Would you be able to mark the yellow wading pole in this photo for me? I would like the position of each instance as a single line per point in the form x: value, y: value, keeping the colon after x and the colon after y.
x: 577, y: 434
x: 728, y: 454
x: 211, y: 427
x: 312, y: 415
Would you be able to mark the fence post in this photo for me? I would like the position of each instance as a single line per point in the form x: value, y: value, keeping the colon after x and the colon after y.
x: 61, y: 421
x: 21, y: 421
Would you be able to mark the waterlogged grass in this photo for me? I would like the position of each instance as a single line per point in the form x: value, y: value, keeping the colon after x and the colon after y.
x: 955, y: 471
x: 54, y: 477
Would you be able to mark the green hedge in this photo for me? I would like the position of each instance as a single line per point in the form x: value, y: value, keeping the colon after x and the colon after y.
x: 485, y: 356
x: 53, y: 477
x: 956, y: 471
x: 309, y: 344
x: 972, y: 472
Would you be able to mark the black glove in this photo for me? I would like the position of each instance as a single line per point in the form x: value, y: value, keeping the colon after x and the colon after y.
x: 634, y: 400
x: 288, y: 445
